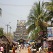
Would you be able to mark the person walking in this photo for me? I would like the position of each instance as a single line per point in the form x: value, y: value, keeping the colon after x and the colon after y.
x: 2, y: 49
x: 19, y: 48
x: 13, y: 49
x: 29, y: 49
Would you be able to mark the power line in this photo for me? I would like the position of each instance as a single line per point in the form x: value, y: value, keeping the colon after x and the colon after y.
x: 14, y: 5
x: 10, y: 14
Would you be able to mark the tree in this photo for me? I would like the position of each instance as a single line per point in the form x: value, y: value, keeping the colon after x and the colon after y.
x: 49, y: 5
x: 37, y: 19
x: 1, y: 31
x: 49, y: 8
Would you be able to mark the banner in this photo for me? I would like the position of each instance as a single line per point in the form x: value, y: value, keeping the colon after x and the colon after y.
x: 50, y: 31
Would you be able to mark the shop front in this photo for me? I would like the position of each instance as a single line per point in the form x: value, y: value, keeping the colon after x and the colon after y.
x: 50, y: 39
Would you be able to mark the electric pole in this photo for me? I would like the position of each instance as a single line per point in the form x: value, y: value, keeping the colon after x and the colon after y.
x: 7, y: 28
x: 10, y: 29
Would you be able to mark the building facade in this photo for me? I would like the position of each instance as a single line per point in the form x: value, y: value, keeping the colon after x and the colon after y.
x: 21, y: 32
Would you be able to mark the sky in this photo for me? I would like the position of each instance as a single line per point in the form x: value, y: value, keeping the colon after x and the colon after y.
x: 13, y: 10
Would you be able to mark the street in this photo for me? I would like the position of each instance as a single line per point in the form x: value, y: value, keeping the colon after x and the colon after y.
x: 25, y: 50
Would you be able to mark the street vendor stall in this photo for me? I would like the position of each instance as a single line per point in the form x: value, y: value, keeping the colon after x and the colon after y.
x: 50, y: 39
x: 5, y: 43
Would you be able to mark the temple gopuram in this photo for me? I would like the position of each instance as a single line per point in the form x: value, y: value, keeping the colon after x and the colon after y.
x: 21, y: 32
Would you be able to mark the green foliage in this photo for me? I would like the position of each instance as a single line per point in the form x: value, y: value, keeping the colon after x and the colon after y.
x: 37, y: 20
x: 31, y: 27
x: 49, y: 8
x: 34, y: 33
x: 35, y: 17
x: 1, y: 31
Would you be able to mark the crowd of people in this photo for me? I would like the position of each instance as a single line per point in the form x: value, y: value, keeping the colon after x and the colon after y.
x: 1, y: 49
x: 31, y: 48
x: 19, y: 47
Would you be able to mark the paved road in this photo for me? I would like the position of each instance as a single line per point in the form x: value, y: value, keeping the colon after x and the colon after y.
x: 25, y: 50
x: 40, y: 52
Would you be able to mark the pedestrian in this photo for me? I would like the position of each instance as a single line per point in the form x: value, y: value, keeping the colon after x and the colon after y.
x: 40, y: 48
x: 29, y: 49
x: 19, y: 48
x: 13, y: 49
x: 22, y: 46
x: 2, y: 49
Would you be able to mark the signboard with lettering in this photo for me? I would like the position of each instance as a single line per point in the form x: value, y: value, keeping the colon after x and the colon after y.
x: 50, y: 31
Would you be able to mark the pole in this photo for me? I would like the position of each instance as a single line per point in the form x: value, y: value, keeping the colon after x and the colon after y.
x: 10, y: 29
x: 7, y: 28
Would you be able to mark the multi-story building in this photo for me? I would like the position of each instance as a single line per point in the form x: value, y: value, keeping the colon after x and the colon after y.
x: 21, y: 32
